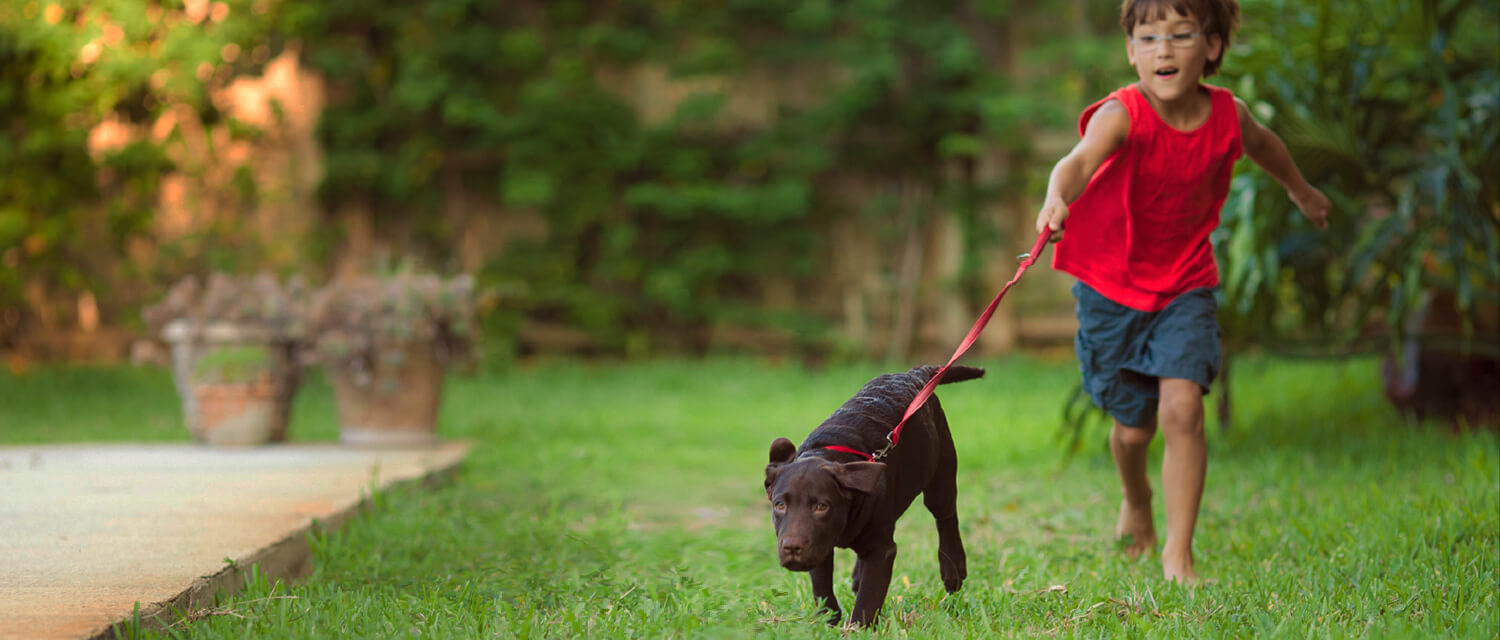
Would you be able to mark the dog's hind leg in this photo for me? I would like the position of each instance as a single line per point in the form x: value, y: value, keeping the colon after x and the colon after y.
x: 822, y: 588
x: 952, y: 563
x: 859, y: 570
x: 941, y: 499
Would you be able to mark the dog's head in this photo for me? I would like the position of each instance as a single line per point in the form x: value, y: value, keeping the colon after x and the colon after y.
x: 810, y: 500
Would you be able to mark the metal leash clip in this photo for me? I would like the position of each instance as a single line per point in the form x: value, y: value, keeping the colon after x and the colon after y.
x: 878, y: 455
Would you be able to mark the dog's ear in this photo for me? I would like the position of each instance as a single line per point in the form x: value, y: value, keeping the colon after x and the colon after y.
x: 782, y: 452
x: 859, y: 476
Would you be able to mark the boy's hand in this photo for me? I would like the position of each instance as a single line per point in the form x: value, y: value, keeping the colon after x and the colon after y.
x: 1053, y: 213
x: 1314, y: 205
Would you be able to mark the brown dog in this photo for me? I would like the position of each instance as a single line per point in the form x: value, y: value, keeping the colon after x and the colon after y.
x: 822, y: 498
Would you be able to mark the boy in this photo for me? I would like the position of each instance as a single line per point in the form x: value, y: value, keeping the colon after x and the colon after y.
x: 1141, y: 192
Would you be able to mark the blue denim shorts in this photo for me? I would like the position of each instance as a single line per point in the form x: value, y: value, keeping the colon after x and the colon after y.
x: 1124, y: 352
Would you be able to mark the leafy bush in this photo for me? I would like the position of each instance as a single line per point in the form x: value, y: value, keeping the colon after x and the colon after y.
x: 1393, y: 110
x: 69, y: 214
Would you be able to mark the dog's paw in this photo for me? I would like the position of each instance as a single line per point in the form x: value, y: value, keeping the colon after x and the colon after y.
x: 834, y: 616
x: 954, y: 568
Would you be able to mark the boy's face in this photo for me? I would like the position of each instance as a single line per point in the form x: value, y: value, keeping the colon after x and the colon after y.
x: 1168, y: 61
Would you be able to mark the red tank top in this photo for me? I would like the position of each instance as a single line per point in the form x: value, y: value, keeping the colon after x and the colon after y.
x: 1139, y: 233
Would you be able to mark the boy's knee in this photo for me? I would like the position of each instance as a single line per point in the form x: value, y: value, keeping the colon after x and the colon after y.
x: 1181, y: 418
x: 1181, y: 407
x: 1133, y: 436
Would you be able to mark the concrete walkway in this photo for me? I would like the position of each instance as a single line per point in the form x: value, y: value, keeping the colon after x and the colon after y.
x: 86, y: 532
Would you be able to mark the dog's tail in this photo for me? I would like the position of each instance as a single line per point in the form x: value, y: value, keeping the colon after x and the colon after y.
x: 956, y: 373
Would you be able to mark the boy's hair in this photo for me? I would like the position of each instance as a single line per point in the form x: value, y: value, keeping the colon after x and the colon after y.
x: 1217, y: 17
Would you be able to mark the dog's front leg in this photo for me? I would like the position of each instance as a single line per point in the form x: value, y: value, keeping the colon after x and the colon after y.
x: 822, y: 588
x: 874, y: 581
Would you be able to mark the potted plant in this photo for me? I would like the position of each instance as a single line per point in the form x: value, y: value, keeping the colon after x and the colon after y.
x: 234, y: 354
x: 385, y: 343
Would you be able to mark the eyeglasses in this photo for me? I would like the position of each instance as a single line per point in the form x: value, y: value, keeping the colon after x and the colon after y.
x: 1178, y: 40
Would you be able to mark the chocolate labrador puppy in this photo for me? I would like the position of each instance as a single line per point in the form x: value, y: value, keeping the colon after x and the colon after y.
x: 823, y: 498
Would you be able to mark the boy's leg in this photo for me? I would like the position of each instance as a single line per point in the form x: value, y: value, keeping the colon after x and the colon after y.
x: 1135, y: 527
x: 1183, y: 467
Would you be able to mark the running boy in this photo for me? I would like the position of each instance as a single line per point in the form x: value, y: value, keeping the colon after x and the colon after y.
x: 1141, y: 192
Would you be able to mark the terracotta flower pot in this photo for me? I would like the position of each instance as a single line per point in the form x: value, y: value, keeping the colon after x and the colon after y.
x: 393, y: 401
x: 238, y: 413
x: 236, y: 383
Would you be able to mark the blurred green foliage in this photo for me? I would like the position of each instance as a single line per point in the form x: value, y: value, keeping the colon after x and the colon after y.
x: 658, y: 229
x: 655, y: 227
x: 660, y: 226
x: 1393, y: 110
x: 66, y: 216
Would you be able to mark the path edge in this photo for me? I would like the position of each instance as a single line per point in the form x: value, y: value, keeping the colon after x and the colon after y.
x: 288, y: 559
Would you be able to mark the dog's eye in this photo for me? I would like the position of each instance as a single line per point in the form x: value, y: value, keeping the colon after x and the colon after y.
x: 821, y: 507
x: 780, y: 505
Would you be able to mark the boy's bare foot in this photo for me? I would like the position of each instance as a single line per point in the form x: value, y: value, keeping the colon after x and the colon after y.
x: 1135, y: 531
x: 1178, y: 567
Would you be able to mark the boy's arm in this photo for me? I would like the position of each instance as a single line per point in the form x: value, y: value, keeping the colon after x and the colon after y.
x: 1267, y: 150
x: 1105, y: 132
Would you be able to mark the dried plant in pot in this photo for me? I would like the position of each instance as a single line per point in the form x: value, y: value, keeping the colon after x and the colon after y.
x: 234, y: 344
x: 386, y: 343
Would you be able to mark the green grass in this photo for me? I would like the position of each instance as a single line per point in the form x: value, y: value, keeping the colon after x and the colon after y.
x: 621, y: 500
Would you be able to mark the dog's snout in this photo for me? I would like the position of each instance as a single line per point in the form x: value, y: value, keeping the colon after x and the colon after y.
x: 792, y: 545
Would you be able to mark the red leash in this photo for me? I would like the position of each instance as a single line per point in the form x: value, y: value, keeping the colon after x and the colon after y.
x: 984, y: 318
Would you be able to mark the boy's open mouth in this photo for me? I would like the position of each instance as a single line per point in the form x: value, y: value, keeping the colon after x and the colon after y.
x: 1166, y: 72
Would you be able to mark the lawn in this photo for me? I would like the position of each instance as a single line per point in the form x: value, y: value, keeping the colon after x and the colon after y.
x: 625, y: 500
